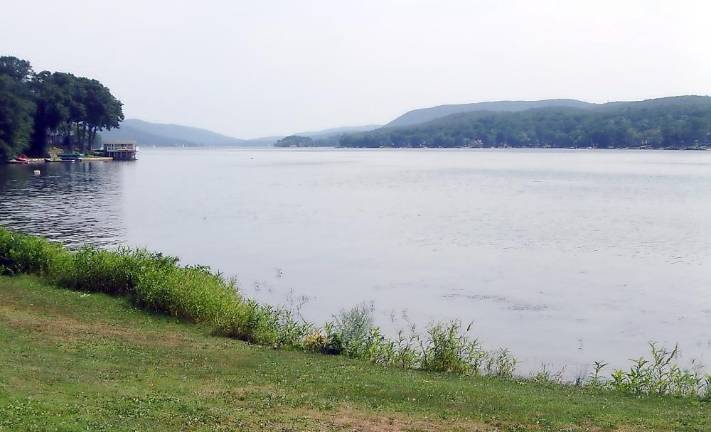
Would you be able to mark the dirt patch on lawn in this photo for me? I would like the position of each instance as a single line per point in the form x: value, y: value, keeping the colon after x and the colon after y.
x: 348, y: 419
x: 358, y: 420
x: 65, y: 329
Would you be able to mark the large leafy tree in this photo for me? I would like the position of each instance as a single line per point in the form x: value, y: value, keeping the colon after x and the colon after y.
x: 101, y: 110
x: 72, y: 109
x: 15, y: 68
x: 16, y: 106
x: 54, y: 103
x: 55, y: 108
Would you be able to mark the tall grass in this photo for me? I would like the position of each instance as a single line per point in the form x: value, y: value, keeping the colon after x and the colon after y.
x: 20, y: 253
x: 153, y: 281
x: 159, y: 283
x: 444, y: 347
x: 111, y: 272
x: 660, y: 375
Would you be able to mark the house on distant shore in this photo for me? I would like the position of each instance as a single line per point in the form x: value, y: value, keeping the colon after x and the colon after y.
x: 120, y: 150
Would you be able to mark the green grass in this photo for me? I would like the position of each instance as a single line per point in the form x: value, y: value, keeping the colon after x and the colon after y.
x: 76, y: 361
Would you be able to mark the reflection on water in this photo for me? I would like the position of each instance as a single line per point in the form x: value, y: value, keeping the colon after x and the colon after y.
x: 76, y: 203
x: 563, y: 256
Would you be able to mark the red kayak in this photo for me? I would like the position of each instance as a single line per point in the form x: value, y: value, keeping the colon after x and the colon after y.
x: 22, y: 159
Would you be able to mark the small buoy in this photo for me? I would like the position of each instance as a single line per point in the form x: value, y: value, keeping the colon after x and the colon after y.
x: 36, y: 172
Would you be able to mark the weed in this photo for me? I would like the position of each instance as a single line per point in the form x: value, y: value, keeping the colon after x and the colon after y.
x: 660, y: 375
x: 449, y: 349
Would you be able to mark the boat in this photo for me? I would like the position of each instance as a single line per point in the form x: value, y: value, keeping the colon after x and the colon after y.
x: 69, y: 157
x: 95, y: 159
x: 21, y: 159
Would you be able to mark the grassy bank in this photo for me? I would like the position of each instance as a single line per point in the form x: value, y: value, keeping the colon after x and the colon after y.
x: 158, y: 283
x: 78, y: 361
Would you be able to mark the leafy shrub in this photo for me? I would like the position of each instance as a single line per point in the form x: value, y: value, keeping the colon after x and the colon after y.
x: 323, y: 341
x: 449, y: 349
x: 263, y: 324
x: 112, y: 272
x: 191, y: 292
x: 239, y: 322
x: 315, y: 341
x: 152, y: 280
x: 21, y: 253
x: 658, y: 375
x: 353, y: 329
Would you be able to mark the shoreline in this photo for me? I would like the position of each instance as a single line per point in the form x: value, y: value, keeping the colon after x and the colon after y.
x: 39, y: 161
x: 195, y: 293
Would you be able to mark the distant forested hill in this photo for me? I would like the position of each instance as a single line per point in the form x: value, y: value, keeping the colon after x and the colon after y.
x: 328, y: 133
x: 424, y: 115
x: 158, y: 134
x: 674, y: 122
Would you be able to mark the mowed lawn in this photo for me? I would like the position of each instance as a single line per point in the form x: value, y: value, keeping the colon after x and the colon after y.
x: 71, y: 361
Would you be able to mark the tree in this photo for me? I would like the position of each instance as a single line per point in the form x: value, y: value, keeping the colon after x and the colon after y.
x: 294, y: 141
x: 15, y: 68
x: 102, y: 110
x: 51, y: 107
x: 16, y: 106
x: 72, y: 109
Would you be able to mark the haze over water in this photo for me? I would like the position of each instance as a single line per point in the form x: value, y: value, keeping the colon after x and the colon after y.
x: 563, y: 256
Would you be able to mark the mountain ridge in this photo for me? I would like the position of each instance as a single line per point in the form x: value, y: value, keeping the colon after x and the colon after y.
x: 175, y: 135
x: 168, y: 134
x: 675, y: 122
x: 423, y: 115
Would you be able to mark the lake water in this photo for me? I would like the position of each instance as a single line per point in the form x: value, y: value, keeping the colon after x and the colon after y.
x: 563, y: 256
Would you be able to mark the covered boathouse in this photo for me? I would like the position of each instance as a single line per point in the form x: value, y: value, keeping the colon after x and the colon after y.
x: 120, y: 150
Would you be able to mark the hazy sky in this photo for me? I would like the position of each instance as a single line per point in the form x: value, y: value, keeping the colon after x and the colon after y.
x: 256, y: 68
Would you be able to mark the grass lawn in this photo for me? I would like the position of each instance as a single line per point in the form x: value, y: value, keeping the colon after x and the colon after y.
x: 72, y: 361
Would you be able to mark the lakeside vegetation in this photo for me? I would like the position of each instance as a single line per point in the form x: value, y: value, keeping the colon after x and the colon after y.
x: 73, y: 360
x: 672, y: 123
x: 158, y: 283
x: 42, y: 109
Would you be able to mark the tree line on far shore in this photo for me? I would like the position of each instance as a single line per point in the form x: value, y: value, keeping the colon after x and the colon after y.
x: 39, y: 109
x: 674, y: 122
x: 305, y: 141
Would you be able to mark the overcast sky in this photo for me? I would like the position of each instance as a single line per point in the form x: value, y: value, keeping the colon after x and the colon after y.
x: 270, y: 67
